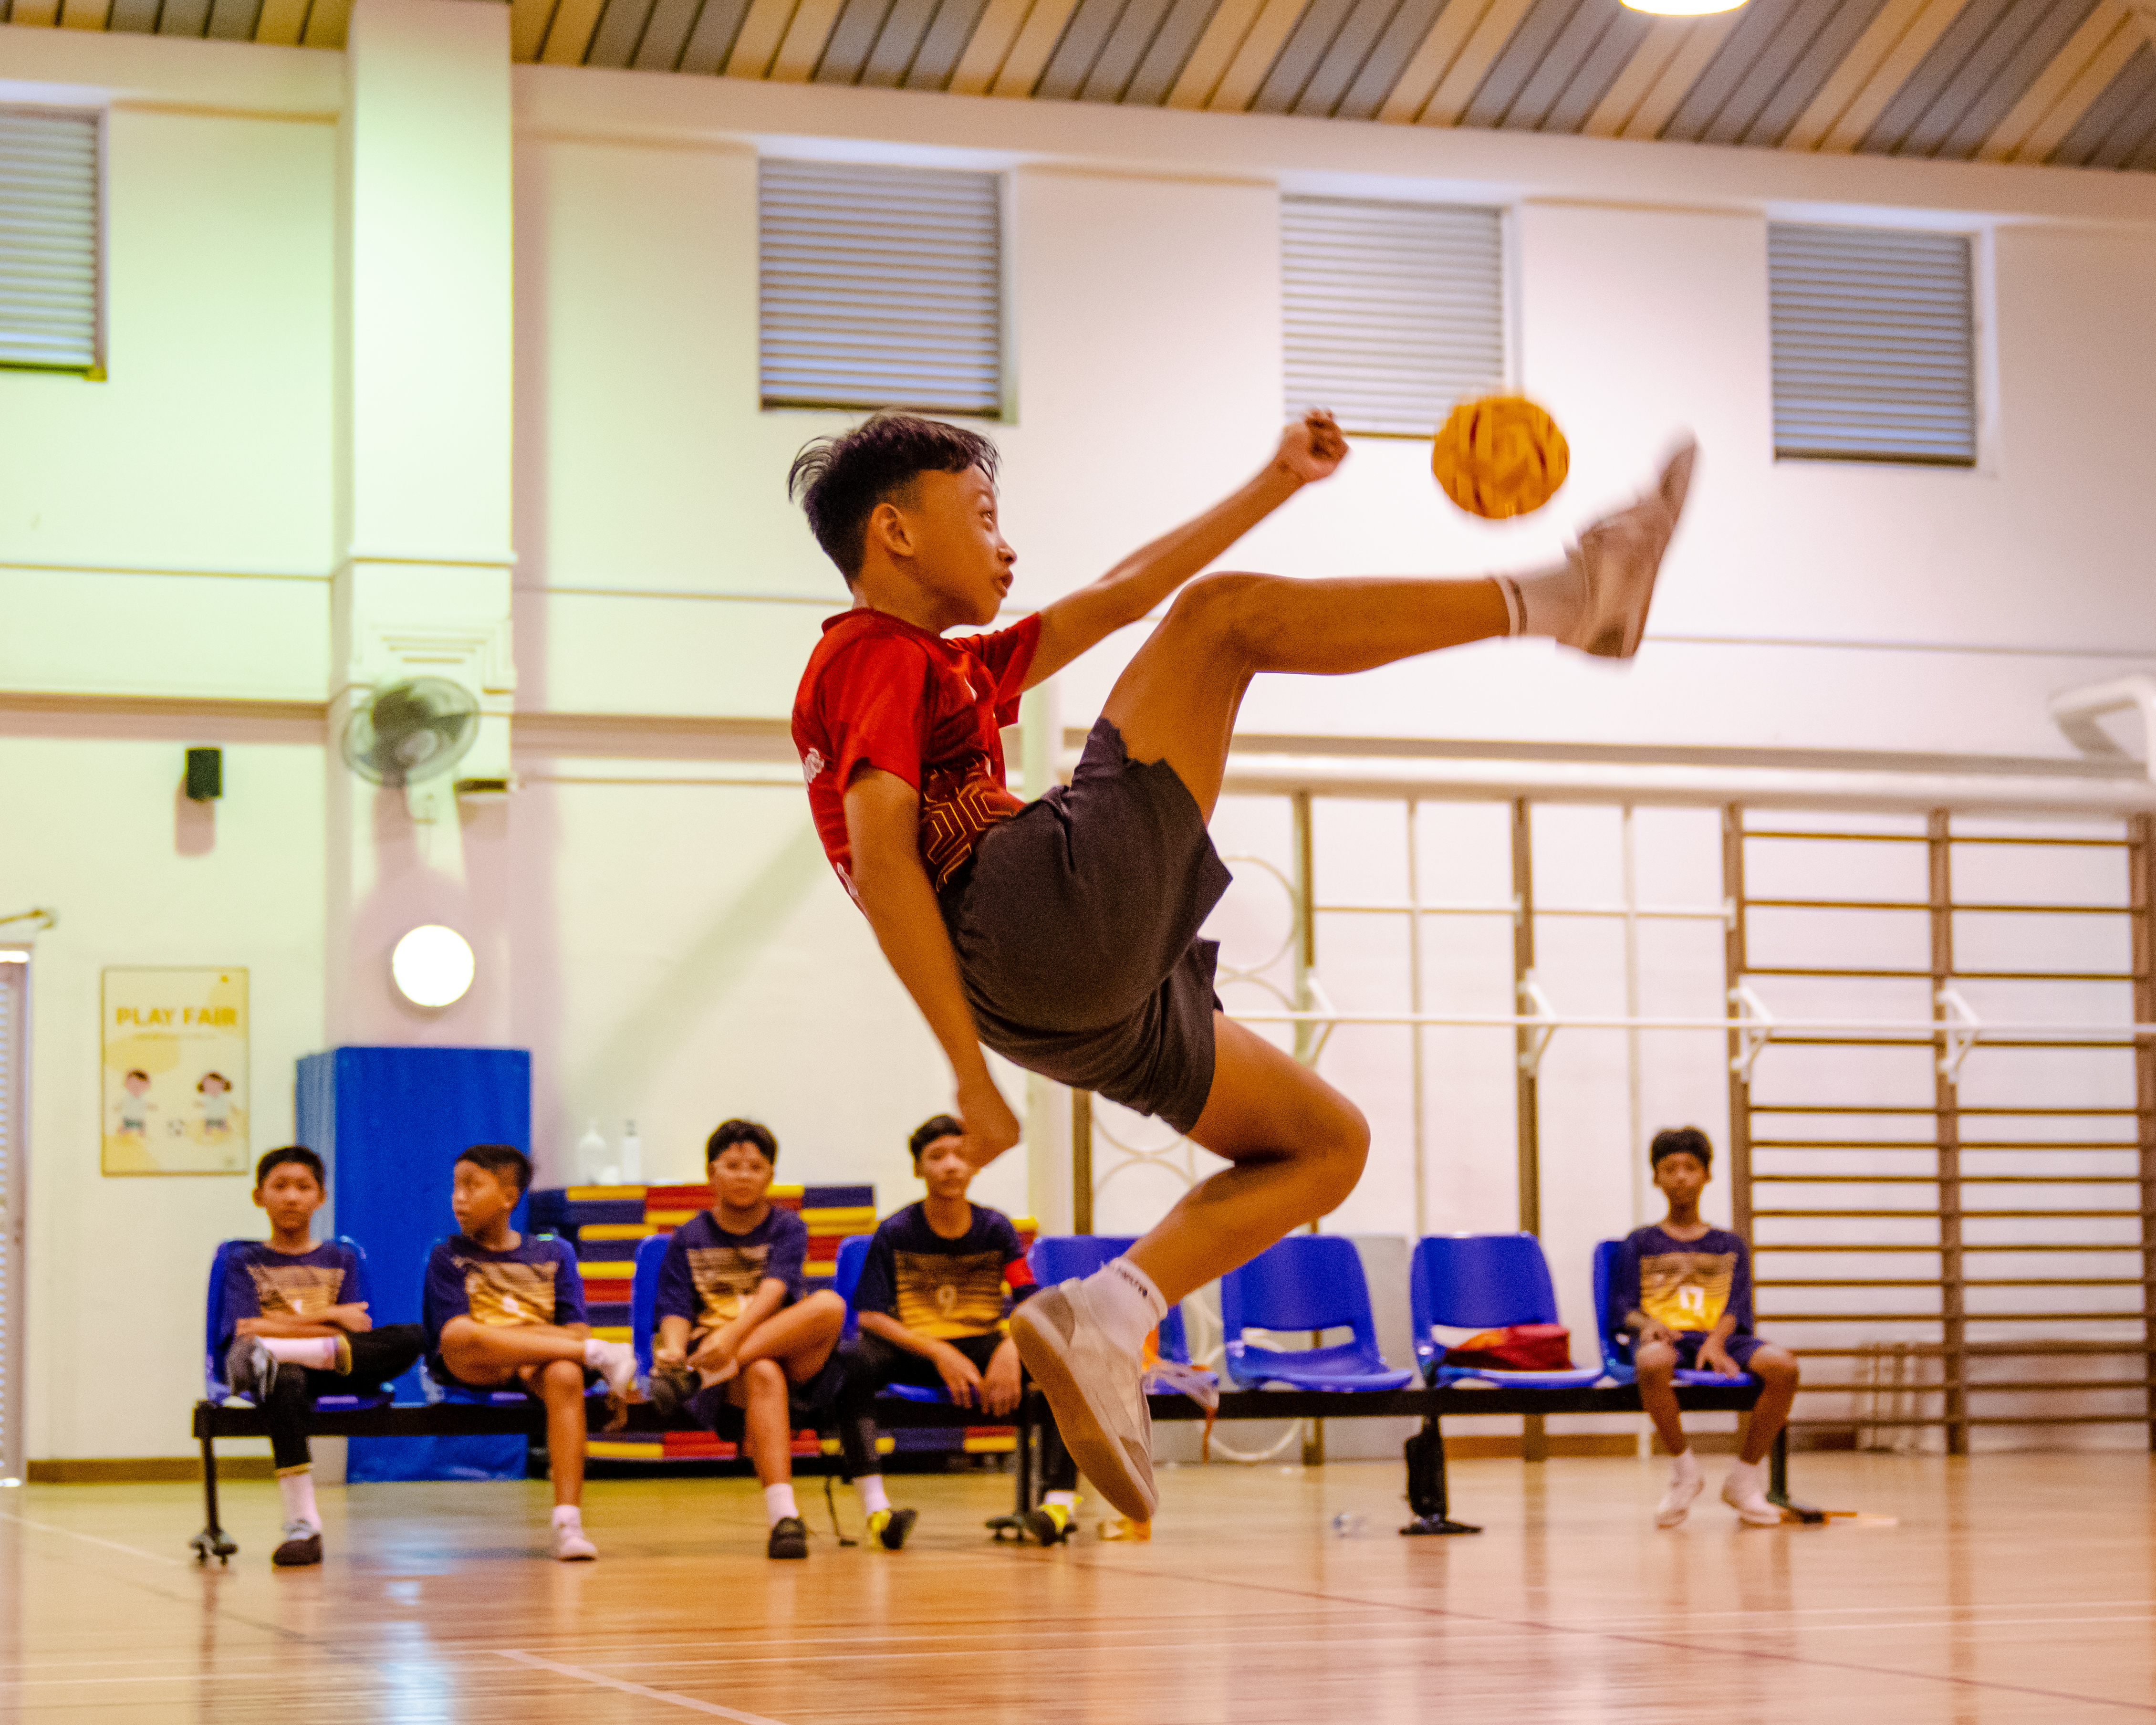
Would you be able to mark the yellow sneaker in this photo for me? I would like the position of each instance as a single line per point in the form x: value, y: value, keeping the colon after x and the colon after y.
x: 888, y: 1527
x: 1050, y: 1524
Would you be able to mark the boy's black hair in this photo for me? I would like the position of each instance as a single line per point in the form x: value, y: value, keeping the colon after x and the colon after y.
x: 937, y: 1126
x: 1681, y: 1140
x: 505, y: 1161
x: 290, y: 1152
x: 839, y: 481
x: 732, y: 1132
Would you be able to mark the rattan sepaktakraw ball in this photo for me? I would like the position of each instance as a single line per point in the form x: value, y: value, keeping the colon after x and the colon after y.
x: 1500, y: 456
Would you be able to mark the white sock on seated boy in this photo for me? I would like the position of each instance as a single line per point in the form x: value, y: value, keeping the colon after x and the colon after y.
x: 296, y: 1492
x: 1684, y: 1484
x: 318, y: 1353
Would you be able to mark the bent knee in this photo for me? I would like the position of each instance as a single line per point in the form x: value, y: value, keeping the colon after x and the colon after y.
x: 764, y: 1374
x: 1339, y: 1152
x: 1655, y: 1359
x: 562, y: 1376
x: 1773, y: 1365
x: 1217, y: 604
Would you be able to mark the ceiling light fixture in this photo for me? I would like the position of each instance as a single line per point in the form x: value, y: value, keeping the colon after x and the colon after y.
x: 432, y: 965
x: 1683, y: 8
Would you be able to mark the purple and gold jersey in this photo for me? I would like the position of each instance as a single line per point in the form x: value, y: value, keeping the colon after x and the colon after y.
x: 709, y: 1274
x: 534, y: 1282
x: 1687, y: 1286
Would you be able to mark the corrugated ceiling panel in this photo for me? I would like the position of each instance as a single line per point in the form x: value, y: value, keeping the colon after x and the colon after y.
x: 233, y: 20
x: 846, y: 48
x: 1391, y: 312
x: 1598, y: 73
x: 880, y: 286
x: 136, y: 16
x: 949, y: 33
x: 2127, y: 139
x: 1387, y: 60
x: 1125, y: 50
x: 1342, y: 68
x: 49, y: 261
x: 666, y: 35
x: 1960, y: 40
x: 1750, y: 36
x: 1538, y: 33
x: 1562, y: 67
x: 1315, y: 31
x: 1808, y: 75
x: 712, y: 40
x: 1970, y: 94
x: 1084, y: 34
x: 1873, y: 345
x: 183, y: 18
x: 1170, y: 51
x: 1776, y: 56
x: 619, y: 33
x: 904, y: 30
x: 2135, y: 79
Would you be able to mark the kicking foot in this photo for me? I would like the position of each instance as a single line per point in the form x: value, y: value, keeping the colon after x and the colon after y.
x: 789, y: 1539
x: 1620, y: 555
x: 302, y: 1547
x: 1685, y: 1485
x: 1745, y: 1491
x: 570, y: 1545
x: 888, y: 1527
x: 250, y: 1368
x: 1095, y: 1391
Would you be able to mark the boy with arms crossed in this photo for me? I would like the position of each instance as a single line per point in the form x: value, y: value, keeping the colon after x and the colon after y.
x: 1686, y: 1291
x: 933, y: 1312
x: 296, y: 1334
x: 1063, y: 933
x: 505, y: 1308
x: 741, y: 1347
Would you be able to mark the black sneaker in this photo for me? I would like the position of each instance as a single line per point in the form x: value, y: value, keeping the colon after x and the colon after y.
x: 302, y: 1547
x: 789, y: 1539
x: 1050, y: 1524
x: 891, y: 1526
x: 669, y: 1389
x: 250, y: 1368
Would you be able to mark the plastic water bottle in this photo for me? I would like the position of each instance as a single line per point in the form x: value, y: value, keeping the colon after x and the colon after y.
x: 1347, y: 1525
x: 590, y: 1156
x: 632, y: 1157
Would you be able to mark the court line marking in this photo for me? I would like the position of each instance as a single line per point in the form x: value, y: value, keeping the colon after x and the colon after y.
x: 671, y: 1699
x: 132, y: 1551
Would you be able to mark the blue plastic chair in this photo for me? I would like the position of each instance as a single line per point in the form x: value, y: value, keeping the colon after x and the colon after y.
x: 1484, y: 1281
x: 853, y: 1256
x: 1057, y: 1258
x: 1308, y: 1281
x: 214, y: 1327
x: 644, y: 1297
x: 1617, y: 1340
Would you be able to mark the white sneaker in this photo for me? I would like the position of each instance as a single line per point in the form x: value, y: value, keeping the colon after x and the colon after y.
x: 1745, y: 1491
x: 1094, y: 1389
x: 570, y: 1545
x: 1621, y: 554
x: 616, y: 1363
x: 1685, y: 1484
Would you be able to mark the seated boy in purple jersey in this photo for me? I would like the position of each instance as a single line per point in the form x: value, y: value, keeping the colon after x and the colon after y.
x: 1686, y: 1290
x: 503, y: 1308
x: 743, y: 1346
x: 933, y: 1311
x: 297, y: 1333
x: 1063, y: 933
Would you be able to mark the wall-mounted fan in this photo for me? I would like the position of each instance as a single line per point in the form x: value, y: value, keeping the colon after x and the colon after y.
x: 410, y: 731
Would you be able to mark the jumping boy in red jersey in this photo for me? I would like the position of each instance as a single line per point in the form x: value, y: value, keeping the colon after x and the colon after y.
x: 1063, y: 933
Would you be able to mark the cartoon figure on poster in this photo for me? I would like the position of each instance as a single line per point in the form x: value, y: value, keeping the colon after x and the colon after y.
x: 175, y: 1071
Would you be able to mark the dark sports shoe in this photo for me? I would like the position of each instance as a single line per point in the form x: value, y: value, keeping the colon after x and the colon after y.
x: 789, y: 1539
x: 670, y: 1388
x: 302, y: 1547
x: 250, y: 1368
x: 889, y: 1527
x: 1048, y: 1525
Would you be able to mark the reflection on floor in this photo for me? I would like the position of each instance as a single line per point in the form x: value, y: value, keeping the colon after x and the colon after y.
x: 2010, y: 1589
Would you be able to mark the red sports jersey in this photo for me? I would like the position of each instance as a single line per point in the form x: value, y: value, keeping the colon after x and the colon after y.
x: 880, y: 692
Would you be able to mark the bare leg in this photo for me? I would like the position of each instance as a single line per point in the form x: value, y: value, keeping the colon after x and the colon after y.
x: 761, y: 1391
x: 1176, y: 701
x: 800, y: 1338
x: 561, y: 1385
x: 1657, y: 1365
x: 487, y: 1354
x: 1776, y: 1368
x: 1297, y: 1145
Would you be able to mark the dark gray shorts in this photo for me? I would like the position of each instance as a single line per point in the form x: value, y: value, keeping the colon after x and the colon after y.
x: 1076, y: 925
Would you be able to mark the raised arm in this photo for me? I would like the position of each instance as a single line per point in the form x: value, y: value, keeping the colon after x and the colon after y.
x: 1310, y: 450
x: 883, y: 828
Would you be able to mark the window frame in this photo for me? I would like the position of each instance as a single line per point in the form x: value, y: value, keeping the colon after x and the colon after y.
x: 99, y: 117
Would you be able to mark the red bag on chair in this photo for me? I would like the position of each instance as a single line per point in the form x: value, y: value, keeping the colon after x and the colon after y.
x: 1517, y: 1348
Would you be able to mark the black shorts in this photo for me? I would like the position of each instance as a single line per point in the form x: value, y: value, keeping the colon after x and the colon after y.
x: 809, y: 1406
x: 1076, y: 926
x: 1740, y: 1349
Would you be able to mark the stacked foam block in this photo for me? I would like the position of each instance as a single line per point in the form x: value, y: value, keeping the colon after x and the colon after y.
x: 607, y: 1223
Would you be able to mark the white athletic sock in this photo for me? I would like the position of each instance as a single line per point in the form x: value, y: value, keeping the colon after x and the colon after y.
x: 1061, y: 1500
x: 319, y: 1352
x: 1684, y: 1464
x: 778, y: 1502
x: 1127, y: 1302
x: 870, y: 1488
x: 1546, y: 602
x: 568, y: 1515
x: 295, y: 1491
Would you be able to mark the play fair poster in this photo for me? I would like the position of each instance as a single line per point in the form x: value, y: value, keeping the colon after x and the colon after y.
x: 175, y: 1075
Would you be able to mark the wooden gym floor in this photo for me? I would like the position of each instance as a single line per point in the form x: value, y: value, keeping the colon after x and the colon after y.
x: 2012, y: 1588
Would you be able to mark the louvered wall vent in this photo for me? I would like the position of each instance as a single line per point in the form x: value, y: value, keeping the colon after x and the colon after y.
x: 881, y: 287
x: 1392, y: 312
x: 1874, y: 346
x: 48, y: 240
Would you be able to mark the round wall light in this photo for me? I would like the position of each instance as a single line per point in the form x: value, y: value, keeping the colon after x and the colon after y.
x: 432, y: 965
x: 1683, y: 8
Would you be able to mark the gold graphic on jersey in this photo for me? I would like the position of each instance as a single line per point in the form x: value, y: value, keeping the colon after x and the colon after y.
x: 959, y: 804
x: 945, y: 1296
x: 726, y: 1276
x: 1686, y: 1291
x: 296, y: 1289
x: 505, y: 1294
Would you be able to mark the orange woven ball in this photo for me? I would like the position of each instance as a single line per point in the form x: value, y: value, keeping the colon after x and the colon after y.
x: 1500, y: 456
